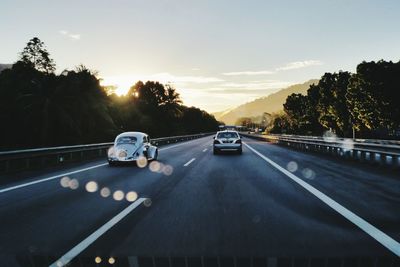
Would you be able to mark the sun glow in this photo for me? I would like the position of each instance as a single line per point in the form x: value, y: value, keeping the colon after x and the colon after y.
x: 121, y: 83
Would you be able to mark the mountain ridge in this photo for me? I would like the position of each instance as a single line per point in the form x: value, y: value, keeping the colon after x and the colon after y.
x: 271, y: 103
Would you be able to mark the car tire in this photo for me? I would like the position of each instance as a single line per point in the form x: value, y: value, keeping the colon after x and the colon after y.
x: 155, y: 155
x: 111, y: 163
x: 215, y: 151
x: 240, y: 151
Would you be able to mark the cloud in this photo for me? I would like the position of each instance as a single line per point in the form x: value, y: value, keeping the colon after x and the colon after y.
x: 239, y: 73
x: 72, y: 36
x: 167, y: 77
x: 288, y: 66
x: 261, y: 85
x: 300, y: 64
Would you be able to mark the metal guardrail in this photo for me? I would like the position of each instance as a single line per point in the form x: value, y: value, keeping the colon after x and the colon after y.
x: 382, y: 152
x: 17, y: 160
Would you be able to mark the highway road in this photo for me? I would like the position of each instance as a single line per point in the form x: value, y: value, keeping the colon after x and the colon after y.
x: 270, y: 206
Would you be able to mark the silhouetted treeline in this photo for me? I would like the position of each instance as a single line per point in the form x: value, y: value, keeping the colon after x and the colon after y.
x: 367, y: 101
x: 39, y: 108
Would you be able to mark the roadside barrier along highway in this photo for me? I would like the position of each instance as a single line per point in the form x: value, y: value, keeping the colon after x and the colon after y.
x: 380, y: 152
x: 25, y: 159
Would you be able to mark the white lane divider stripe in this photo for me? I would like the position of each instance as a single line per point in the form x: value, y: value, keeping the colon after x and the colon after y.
x: 371, y: 230
x: 190, y: 161
x: 50, y: 178
x: 205, y: 149
x: 67, y: 257
x: 73, y: 172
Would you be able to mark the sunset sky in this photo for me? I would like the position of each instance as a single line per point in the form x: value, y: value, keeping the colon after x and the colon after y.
x: 218, y: 54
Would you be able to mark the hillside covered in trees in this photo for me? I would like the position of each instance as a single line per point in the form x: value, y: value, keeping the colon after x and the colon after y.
x: 271, y: 103
x: 367, y: 102
x: 39, y: 108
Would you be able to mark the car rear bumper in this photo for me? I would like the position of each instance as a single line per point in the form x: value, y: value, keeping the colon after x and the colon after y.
x: 122, y: 159
x: 227, y: 146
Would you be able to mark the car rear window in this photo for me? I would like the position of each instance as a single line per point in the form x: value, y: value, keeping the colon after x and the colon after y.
x: 228, y: 135
x: 127, y: 140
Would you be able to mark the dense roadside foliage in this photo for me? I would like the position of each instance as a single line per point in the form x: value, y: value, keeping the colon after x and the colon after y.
x: 367, y: 102
x: 39, y: 108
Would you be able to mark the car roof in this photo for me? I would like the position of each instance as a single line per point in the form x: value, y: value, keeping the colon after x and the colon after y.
x: 228, y: 131
x: 135, y: 134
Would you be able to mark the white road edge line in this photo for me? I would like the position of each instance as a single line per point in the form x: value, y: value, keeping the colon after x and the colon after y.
x: 190, y: 161
x: 205, y: 149
x: 67, y: 257
x: 371, y: 230
x: 50, y: 178
x: 73, y: 172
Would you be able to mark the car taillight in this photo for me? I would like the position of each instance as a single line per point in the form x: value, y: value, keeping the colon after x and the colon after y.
x: 216, y: 142
x: 238, y: 141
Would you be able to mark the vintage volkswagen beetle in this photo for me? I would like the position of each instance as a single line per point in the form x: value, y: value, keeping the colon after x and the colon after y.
x: 131, y: 147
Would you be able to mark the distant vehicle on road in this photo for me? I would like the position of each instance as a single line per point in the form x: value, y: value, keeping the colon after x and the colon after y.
x: 131, y: 147
x: 227, y: 141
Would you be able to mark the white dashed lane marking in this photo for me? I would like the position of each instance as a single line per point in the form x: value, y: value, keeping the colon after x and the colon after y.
x: 190, y: 161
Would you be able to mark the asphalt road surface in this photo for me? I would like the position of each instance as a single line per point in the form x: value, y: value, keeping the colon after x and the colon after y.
x: 270, y: 206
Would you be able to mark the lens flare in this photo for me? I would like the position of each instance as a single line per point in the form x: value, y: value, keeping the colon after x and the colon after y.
x: 308, y: 173
x: 147, y: 202
x: 131, y: 196
x: 347, y: 145
x: 155, y: 166
x: 111, y: 260
x: 118, y: 195
x: 168, y: 170
x: 292, y: 166
x: 97, y: 260
x: 91, y: 186
x: 73, y: 184
x: 329, y: 136
x: 105, y: 192
x: 65, y: 181
x: 141, y: 162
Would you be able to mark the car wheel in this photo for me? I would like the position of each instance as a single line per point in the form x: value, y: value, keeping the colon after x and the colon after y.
x: 111, y: 163
x: 240, y: 151
x: 155, y: 155
x: 215, y: 151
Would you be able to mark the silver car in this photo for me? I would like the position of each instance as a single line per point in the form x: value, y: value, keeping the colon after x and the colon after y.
x: 132, y: 147
x: 227, y: 141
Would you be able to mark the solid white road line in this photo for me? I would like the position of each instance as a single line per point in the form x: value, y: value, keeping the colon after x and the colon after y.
x: 190, y: 161
x: 73, y: 172
x: 371, y: 230
x: 205, y: 149
x: 67, y: 257
x: 50, y: 178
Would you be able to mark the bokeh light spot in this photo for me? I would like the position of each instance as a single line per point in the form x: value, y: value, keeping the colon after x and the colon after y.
x: 292, y: 166
x: 97, y: 259
x: 168, y: 170
x: 147, y: 202
x: 308, y: 173
x: 348, y: 144
x: 91, y: 186
x: 329, y: 136
x: 155, y: 166
x: 65, y: 181
x: 111, y: 260
x: 105, y: 192
x: 141, y: 162
x: 73, y: 184
x: 131, y: 196
x: 118, y: 195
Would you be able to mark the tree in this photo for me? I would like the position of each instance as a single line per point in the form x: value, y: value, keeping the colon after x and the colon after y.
x: 374, y: 97
x: 332, y: 103
x: 35, y: 54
